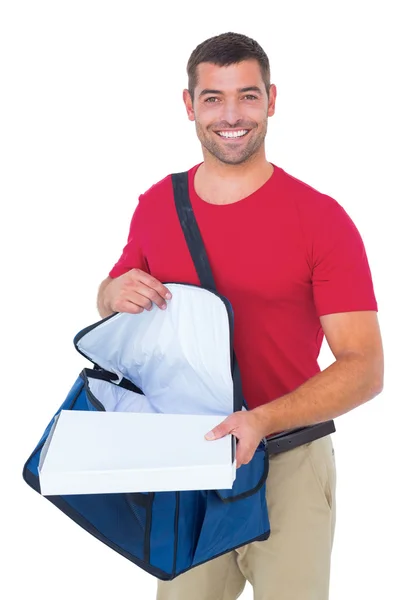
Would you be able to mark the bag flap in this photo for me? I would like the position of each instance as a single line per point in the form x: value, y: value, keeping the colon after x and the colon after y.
x: 181, y: 357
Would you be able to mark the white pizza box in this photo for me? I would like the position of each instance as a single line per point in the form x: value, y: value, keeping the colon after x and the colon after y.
x: 97, y: 452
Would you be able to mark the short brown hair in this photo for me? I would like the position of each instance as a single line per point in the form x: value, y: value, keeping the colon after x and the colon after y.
x: 224, y: 50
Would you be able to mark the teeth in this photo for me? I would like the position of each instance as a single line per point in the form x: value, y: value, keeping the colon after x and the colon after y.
x: 232, y: 134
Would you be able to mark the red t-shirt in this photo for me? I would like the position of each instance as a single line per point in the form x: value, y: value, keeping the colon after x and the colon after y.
x: 283, y: 256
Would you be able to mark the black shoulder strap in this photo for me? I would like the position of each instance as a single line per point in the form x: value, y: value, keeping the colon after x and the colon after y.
x: 199, y: 256
x: 191, y: 230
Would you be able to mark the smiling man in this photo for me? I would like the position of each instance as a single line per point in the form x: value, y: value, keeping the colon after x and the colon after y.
x: 294, y: 267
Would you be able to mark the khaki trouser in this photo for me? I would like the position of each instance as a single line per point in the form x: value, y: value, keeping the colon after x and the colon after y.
x: 294, y: 563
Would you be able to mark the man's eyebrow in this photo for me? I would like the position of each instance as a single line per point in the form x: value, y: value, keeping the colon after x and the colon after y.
x: 208, y: 91
x: 251, y: 88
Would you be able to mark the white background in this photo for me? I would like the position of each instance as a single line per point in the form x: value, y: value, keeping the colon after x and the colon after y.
x: 91, y: 116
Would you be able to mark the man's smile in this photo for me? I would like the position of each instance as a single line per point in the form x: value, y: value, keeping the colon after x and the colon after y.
x: 232, y: 135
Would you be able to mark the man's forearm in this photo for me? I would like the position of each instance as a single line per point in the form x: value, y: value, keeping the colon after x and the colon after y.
x: 344, y: 385
x: 102, y: 307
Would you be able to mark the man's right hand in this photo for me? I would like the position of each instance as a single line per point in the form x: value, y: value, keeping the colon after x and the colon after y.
x: 133, y: 292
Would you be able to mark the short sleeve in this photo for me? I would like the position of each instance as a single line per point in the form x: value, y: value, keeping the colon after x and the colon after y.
x: 132, y: 256
x: 341, y: 275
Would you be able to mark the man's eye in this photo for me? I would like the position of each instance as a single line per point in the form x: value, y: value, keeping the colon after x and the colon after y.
x: 212, y: 99
x: 250, y: 97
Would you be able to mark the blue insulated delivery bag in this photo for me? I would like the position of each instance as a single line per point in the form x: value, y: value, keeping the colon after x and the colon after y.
x: 176, y: 361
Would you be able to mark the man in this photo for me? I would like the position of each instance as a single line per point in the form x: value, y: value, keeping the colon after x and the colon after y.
x: 294, y: 267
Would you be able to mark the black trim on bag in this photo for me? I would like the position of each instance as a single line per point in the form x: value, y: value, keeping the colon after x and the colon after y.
x: 176, y: 532
x: 110, y: 377
x: 141, y: 499
x: 144, y: 501
x: 233, y: 447
x: 149, y: 521
x: 238, y: 399
x: 252, y: 491
x: 103, y: 376
x: 86, y: 330
x: 90, y: 396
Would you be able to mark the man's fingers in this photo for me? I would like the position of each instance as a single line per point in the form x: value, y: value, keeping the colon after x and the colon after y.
x: 244, y: 454
x: 144, y: 296
x: 136, y: 291
x: 125, y: 306
x: 242, y: 427
x: 152, y: 283
x: 220, y: 430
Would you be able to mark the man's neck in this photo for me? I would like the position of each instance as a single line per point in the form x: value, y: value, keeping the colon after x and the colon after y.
x: 219, y: 183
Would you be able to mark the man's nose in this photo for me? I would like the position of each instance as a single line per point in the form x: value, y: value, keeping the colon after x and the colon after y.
x: 231, y: 112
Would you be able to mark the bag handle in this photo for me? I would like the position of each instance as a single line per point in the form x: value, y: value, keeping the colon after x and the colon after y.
x: 191, y: 230
x: 228, y: 496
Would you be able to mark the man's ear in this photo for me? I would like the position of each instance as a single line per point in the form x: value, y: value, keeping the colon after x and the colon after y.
x: 188, y: 104
x: 272, y: 99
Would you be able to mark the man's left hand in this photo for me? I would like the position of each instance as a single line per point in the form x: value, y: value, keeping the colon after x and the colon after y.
x: 247, y: 427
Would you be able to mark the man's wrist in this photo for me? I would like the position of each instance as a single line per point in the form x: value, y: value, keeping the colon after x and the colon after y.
x: 270, y: 418
x: 103, y: 305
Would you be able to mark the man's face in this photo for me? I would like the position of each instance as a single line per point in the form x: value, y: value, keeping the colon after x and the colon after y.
x: 231, y: 109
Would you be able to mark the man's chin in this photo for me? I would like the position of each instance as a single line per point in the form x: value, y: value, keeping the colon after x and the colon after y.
x: 233, y: 161
x: 232, y: 158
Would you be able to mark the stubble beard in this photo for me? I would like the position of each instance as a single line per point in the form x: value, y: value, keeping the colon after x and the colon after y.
x: 232, y: 156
